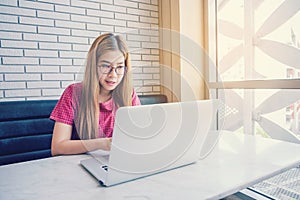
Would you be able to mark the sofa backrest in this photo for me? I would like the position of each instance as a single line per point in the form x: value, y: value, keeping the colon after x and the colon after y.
x: 26, y: 130
x: 153, y: 99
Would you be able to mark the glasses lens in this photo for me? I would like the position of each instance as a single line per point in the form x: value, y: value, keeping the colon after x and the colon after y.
x: 105, y: 69
x: 120, y: 69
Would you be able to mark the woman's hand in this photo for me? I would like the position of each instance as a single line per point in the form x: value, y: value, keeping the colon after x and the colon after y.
x: 105, y: 143
x: 62, y: 143
x: 98, y: 143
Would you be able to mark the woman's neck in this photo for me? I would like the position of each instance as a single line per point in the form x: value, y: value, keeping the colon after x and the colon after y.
x: 103, y: 97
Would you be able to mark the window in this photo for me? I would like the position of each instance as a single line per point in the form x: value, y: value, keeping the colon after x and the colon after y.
x: 255, y: 50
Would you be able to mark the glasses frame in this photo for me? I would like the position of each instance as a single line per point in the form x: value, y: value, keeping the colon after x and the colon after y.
x: 113, y: 68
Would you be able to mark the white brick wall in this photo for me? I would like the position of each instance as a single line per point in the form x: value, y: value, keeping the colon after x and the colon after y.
x: 43, y: 43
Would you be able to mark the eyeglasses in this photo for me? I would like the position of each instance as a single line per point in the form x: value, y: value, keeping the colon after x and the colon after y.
x: 107, y: 69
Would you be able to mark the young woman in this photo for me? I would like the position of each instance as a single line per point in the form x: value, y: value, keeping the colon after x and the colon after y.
x: 84, y: 116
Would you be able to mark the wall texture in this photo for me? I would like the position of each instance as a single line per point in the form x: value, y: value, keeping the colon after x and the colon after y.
x: 43, y: 43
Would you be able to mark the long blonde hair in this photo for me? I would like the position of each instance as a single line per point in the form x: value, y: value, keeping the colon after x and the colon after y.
x: 87, y: 117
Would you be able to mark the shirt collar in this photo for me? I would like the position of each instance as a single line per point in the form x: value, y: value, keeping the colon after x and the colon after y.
x: 108, y: 105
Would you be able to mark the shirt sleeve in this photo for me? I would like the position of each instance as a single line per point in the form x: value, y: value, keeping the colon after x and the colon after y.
x: 63, y: 111
x: 135, y: 99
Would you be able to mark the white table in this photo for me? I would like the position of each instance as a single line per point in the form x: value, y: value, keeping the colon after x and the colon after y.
x: 238, y: 161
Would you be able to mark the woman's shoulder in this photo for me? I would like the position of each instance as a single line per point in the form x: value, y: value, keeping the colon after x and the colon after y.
x: 77, y: 85
x: 135, y: 98
x: 74, y: 87
x: 133, y: 93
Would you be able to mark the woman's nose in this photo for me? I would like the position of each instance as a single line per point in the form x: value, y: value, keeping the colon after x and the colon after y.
x: 112, y: 72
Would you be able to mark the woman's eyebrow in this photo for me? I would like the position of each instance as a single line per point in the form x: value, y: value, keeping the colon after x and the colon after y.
x: 105, y: 61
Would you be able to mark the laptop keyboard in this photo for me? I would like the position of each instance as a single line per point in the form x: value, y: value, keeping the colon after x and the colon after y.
x: 285, y: 186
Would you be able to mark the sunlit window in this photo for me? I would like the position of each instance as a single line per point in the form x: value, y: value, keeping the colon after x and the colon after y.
x: 257, y: 58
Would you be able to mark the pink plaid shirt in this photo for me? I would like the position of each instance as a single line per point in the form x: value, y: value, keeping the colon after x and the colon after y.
x: 65, y: 109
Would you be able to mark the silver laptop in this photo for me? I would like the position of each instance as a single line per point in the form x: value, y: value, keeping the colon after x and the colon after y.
x: 151, y: 139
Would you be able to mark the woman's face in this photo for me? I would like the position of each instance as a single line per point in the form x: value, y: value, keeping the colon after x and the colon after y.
x: 111, y: 69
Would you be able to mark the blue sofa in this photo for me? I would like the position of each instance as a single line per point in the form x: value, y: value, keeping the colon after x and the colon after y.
x: 26, y: 130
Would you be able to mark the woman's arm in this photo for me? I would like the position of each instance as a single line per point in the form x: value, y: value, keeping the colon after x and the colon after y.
x: 62, y: 143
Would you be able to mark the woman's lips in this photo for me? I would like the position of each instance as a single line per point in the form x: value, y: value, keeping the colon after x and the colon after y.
x: 111, y: 83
